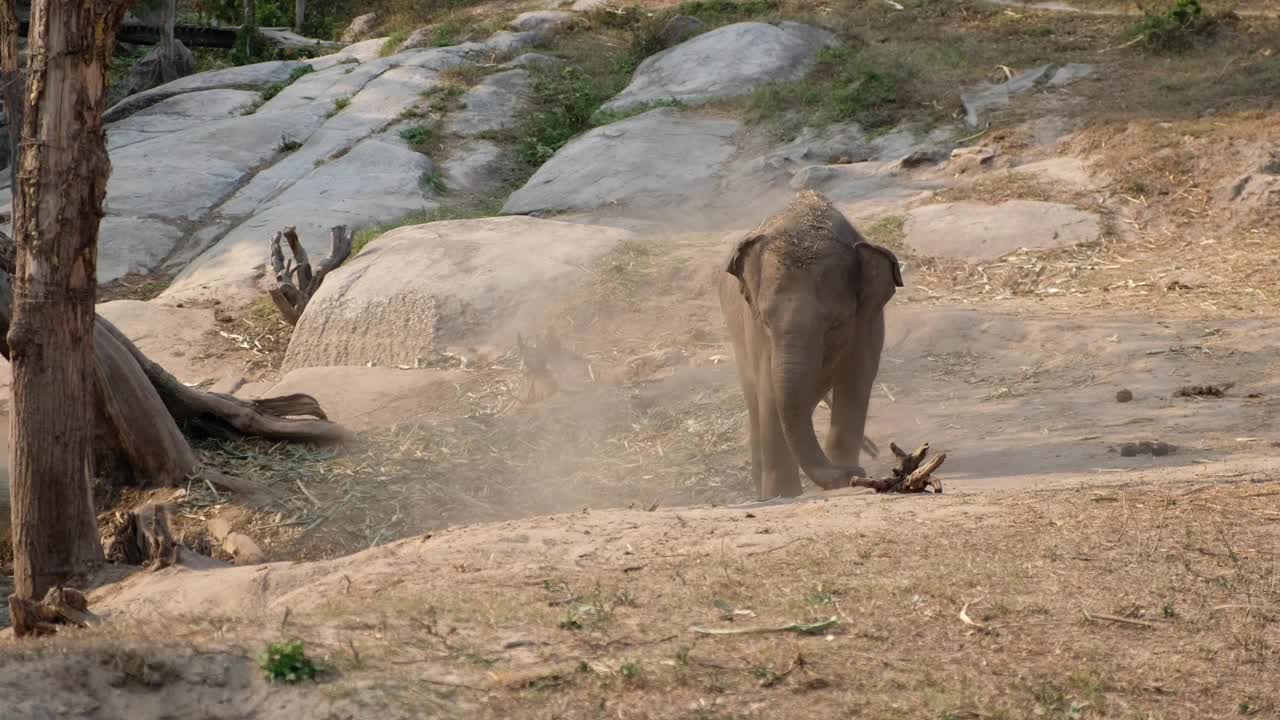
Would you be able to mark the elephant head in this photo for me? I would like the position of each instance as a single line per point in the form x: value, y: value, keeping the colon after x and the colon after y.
x: 815, y: 292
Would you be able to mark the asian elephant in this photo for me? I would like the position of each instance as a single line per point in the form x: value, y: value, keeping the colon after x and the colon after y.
x: 804, y: 295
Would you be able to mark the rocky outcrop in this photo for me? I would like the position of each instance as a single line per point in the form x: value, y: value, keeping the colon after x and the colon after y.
x: 728, y: 61
x: 245, y: 77
x: 417, y: 289
x: 546, y: 23
x: 497, y: 102
x: 360, y: 28
x: 975, y: 231
x: 655, y: 161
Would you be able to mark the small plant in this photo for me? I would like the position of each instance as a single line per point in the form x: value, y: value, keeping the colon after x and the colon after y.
x: 606, y: 117
x: 631, y: 670
x: 682, y: 655
x: 286, y: 662
x: 820, y: 597
x: 287, y: 144
x: 1175, y: 28
x: 271, y: 91
x: 1168, y: 612
x: 340, y: 104
x: 393, y: 43
x: 434, y: 181
x: 299, y: 71
x: 422, y: 138
x: 624, y: 598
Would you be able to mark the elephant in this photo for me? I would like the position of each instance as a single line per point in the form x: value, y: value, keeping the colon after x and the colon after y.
x: 803, y: 296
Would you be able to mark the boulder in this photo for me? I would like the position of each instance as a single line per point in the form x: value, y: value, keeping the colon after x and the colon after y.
x: 547, y: 23
x: 244, y: 77
x: 728, y: 61
x: 179, y: 113
x: 495, y: 103
x: 976, y: 232
x: 377, y: 181
x: 680, y: 28
x: 360, y: 28
x: 366, y: 397
x: 154, y: 70
x: 173, y: 337
x: 465, y: 282
x: 989, y: 96
x: 657, y: 161
x: 423, y: 37
x: 534, y: 60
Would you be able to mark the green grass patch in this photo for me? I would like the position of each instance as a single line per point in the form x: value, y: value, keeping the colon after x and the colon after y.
x: 393, y: 43
x: 274, y: 89
x: 846, y: 85
x: 724, y: 12
x: 287, y: 662
x: 1175, y: 28
x: 606, y: 117
x: 423, y: 138
x: 467, y: 208
x: 564, y: 103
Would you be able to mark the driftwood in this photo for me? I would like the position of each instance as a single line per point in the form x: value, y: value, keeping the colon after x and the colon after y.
x: 142, y: 412
x: 913, y: 473
x: 141, y: 537
x: 61, y: 606
x: 296, y: 281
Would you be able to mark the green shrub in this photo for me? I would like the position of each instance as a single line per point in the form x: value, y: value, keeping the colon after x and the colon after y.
x: 844, y: 86
x: 1175, y: 28
x: 565, y: 100
x: 287, y: 662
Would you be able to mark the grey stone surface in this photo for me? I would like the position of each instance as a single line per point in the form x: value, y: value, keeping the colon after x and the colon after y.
x: 974, y: 231
x: 461, y: 282
x: 534, y: 60
x: 245, y: 77
x: 989, y: 96
x: 545, y: 22
x: 731, y: 60
x: 180, y: 113
x: 495, y: 103
x: 475, y: 166
x: 377, y: 181
x: 654, y: 160
x: 133, y: 245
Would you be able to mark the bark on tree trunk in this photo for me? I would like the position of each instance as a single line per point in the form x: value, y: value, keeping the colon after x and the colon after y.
x: 168, y: 46
x: 299, y: 15
x: 12, y: 84
x: 57, y: 205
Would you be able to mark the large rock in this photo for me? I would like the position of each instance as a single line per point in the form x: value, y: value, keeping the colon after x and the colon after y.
x: 657, y: 160
x: 974, y: 231
x: 729, y: 61
x: 360, y: 28
x: 475, y: 166
x: 364, y: 397
x: 545, y: 22
x: 178, y: 113
x: 495, y: 103
x: 153, y: 71
x: 245, y: 77
x: 420, y: 288
x: 173, y: 337
x: 990, y: 96
x: 378, y: 180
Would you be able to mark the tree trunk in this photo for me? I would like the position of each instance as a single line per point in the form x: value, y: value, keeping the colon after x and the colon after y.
x: 57, y: 205
x: 168, y: 45
x: 12, y: 84
x: 299, y: 15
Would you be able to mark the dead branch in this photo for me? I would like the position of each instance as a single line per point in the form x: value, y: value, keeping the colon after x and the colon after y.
x: 61, y: 606
x: 912, y: 475
x: 296, y: 281
x: 142, y: 537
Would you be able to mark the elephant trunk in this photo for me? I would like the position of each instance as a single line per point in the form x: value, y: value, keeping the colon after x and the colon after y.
x: 795, y: 371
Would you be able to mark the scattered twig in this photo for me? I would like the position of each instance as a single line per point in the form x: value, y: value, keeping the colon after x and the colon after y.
x: 297, y: 283
x: 1094, y: 617
x: 964, y: 616
x: 817, y: 628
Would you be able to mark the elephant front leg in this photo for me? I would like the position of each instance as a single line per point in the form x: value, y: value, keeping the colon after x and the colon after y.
x: 851, y: 393
x: 780, y: 476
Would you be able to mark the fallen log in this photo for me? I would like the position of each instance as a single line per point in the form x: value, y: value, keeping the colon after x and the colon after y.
x: 60, y: 607
x: 296, y: 281
x: 144, y: 414
x: 913, y: 473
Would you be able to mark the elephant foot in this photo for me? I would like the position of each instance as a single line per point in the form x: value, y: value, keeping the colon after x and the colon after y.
x: 836, y: 478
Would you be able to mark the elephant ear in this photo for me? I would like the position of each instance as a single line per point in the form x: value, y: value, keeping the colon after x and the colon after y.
x: 738, y: 259
x: 878, y: 273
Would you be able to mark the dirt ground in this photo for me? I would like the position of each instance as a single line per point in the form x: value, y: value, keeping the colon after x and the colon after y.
x: 478, y: 556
